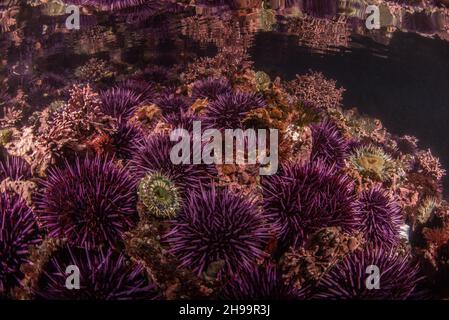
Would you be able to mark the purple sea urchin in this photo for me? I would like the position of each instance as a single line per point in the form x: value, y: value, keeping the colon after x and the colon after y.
x: 120, y: 103
x: 304, y: 198
x: 217, y: 225
x: 262, y: 283
x: 14, y: 167
x: 110, y: 5
x: 381, y: 217
x: 172, y: 103
x: 90, y: 203
x: 5, y: 136
x: 125, y: 139
x: 328, y: 144
x: 349, y: 278
x: 153, y: 155
x: 104, y: 275
x: 182, y: 120
x: 229, y: 109
x: 159, y: 195
x: 210, y: 88
x: 18, y: 232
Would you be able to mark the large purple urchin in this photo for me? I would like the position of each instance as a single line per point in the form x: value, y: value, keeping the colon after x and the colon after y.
x: 91, y: 202
x: 170, y: 102
x: 104, y: 275
x: 216, y: 225
x: 210, y: 88
x: 328, y: 144
x: 262, y: 283
x: 304, y: 198
x: 18, y: 232
x: 153, y: 155
x: 381, y: 217
x: 14, y: 167
x: 350, y: 278
x: 120, y: 103
x: 228, y: 110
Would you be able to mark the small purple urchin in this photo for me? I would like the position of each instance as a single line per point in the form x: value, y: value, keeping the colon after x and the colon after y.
x: 125, y: 140
x: 262, y: 283
x: 105, y: 275
x: 328, y: 144
x: 14, y: 167
x: 120, y: 103
x: 217, y: 225
x: 350, y: 278
x: 91, y: 202
x: 172, y: 103
x: 18, y: 232
x: 146, y: 90
x: 228, y: 110
x: 210, y: 88
x: 381, y: 217
x: 182, y: 120
x: 304, y: 198
x: 153, y: 155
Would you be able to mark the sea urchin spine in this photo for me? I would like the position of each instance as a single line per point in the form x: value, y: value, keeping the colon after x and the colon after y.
x: 159, y: 195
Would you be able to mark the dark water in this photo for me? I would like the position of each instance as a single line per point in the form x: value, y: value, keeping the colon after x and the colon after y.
x: 404, y: 84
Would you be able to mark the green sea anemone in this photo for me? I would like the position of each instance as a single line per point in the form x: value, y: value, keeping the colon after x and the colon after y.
x: 263, y: 81
x: 372, y: 162
x: 425, y: 210
x: 159, y: 195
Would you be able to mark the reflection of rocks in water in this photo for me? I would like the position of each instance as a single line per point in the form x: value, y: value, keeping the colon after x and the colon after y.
x: 321, y: 8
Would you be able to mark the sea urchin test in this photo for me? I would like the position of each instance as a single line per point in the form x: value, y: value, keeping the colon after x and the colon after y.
x: 208, y: 147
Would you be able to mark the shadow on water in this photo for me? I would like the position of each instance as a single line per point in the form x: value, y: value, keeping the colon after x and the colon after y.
x: 405, y: 84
